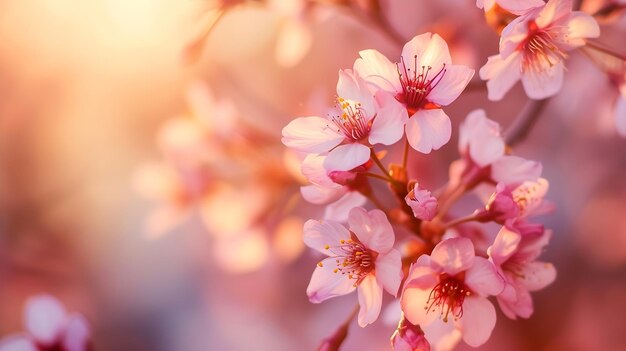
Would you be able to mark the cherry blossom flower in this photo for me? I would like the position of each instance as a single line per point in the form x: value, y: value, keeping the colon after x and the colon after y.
x: 518, y: 203
x: 409, y: 337
x: 361, y: 257
x: 484, y: 159
x: 452, y: 285
x: 533, y: 48
x: 340, y: 197
x: 347, y: 133
x: 423, y: 204
x: 422, y: 82
x: 49, y: 327
x: 514, y: 6
x: 515, y: 257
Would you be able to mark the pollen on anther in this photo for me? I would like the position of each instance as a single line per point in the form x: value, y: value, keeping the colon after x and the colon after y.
x: 320, y: 264
x: 326, y: 246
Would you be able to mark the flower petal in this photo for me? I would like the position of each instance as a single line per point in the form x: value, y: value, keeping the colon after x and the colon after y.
x: 346, y: 157
x: 500, y: 74
x: 430, y: 49
x: 478, y: 321
x: 414, y: 302
x: 553, y: 11
x: 319, y: 235
x: 422, y: 274
x: 540, y: 85
x: 451, y: 85
x: 388, y: 126
x: 481, y: 137
x: 45, y: 319
x: 537, y: 275
x: 372, y: 229
x: 339, y: 210
x: 376, y: 69
x: 442, y: 336
x: 318, y: 195
x: 370, y: 299
x: 454, y: 255
x: 17, y: 343
x: 313, y: 169
x: 428, y: 130
x: 514, y: 170
x: 77, y: 334
x: 519, y: 6
x: 354, y: 89
x: 311, y: 134
x: 483, y: 279
x: 389, y: 271
x: 326, y: 284
x: 504, y: 246
x: 581, y: 25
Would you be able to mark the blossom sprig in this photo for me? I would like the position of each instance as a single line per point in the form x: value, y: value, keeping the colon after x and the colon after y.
x: 447, y: 284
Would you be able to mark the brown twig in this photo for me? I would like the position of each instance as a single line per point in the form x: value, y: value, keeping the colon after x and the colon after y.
x: 525, y: 121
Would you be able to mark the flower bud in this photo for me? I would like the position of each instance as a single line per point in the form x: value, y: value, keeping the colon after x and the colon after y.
x: 409, y: 337
x: 502, y: 205
x: 423, y: 204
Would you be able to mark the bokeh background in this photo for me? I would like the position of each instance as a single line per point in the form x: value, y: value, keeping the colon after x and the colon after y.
x: 85, y: 88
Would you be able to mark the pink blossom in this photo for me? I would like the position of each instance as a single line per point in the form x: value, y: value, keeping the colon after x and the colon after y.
x: 361, y: 258
x: 514, y: 6
x: 422, y: 82
x: 515, y: 257
x: 518, y: 203
x: 409, y: 337
x: 423, y: 204
x: 452, y: 285
x: 49, y: 327
x: 620, y: 110
x: 324, y: 190
x: 533, y: 48
x: 347, y: 133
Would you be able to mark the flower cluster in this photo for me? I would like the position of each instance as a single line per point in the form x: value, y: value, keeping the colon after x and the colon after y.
x: 448, y: 285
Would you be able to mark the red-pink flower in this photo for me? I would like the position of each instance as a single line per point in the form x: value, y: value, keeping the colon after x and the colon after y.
x: 452, y: 285
x: 533, y: 48
x: 515, y: 256
x: 422, y: 82
x: 49, y: 327
x: 361, y: 258
x: 423, y: 204
x: 347, y: 133
x: 518, y: 202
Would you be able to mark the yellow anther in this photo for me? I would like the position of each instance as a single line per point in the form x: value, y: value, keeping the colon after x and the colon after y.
x: 342, y: 241
x: 320, y: 264
x: 336, y: 270
x: 327, y: 246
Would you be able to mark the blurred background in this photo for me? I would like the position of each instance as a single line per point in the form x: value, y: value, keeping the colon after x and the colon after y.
x: 98, y: 97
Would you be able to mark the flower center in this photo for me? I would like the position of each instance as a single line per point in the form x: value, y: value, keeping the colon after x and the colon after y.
x: 540, y: 51
x: 448, y: 297
x: 353, y: 259
x: 417, y: 84
x: 352, y: 122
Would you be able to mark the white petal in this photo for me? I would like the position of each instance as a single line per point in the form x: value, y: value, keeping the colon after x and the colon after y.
x: 414, y: 302
x: 581, y: 25
x: 314, y: 171
x: 339, y: 210
x: 441, y: 335
x: 504, y: 246
x: 389, y: 271
x: 428, y: 130
x: 483, y: 279
x: 376, y: 69
x: 501, y: 75
x: 553, y: 11
x: 318, y: 195
x: 353, y: 88
x: 478, y: 321
x: 388, y: 126
x: 347, y: 157
x: 540, y: 85
x: 537, y: 275
x: 372, y: 228
x: 319, y: 235
x: 451, y: 85
x: 431, y: 51
x: 454, y: 255
x: 17, y: 343
x: 45, y: 318
x: 311, y: 134
x: 511, y: 170
x: 326, y: 284
x: 77, y: 334
x: 370, y: 299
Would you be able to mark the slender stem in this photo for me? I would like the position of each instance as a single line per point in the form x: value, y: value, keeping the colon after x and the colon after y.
x: 525, y: 121
x: 450, y: 199
x: 377, y: 176
x: 376, y: 202
x: 405, y: 156
x: 599, y: 47
x: 460, y: 220
x: 380, y: 165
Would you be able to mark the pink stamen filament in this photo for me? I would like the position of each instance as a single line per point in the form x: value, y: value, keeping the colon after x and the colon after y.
x: 352, y: 122
x: 417, y: 85
x: 447, y: 297
x: 353, y: 259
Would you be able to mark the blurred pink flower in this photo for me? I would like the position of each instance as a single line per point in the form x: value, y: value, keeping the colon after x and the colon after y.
x: 423, y: 204
x: 515, y: 257
x: 422, y: 82
x: 49, y: 327
x: 514, y: 6
x: 347, y: 135
x: 620, y: 110
x: 533, y: 48
x: 409, y: 337
x: 360, y: 258
x: 453, y: 282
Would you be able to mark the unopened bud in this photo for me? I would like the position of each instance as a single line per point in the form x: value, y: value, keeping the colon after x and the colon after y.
x: 409, y: 337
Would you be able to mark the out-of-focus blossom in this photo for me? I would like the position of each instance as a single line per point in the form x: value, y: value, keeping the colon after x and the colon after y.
x: 49, y: 327
x: 620, y: 110
x: 452, y: 285
x: 409, y: 337
x: 346, y: 133
x: 513, y: 6
x: 361, y: 258
x: 515, y: 256
x: 338, y: 192
x: 483, y: 155
x: 533, y: 48
x: 423, y: 204
x: 294, y: 37
x: 422, y: 82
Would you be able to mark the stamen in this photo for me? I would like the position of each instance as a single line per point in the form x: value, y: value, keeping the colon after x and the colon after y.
x: 353, y: 259
x: 416, y: 83
x: 448, y: 297
x: 540, y: 51
x: 352, y: 122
